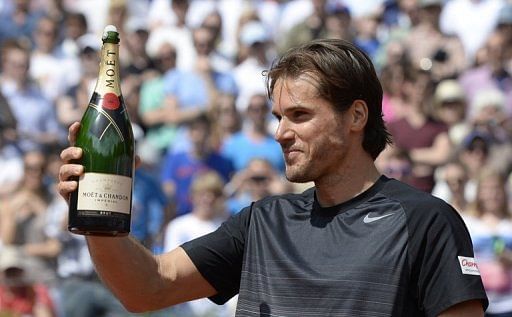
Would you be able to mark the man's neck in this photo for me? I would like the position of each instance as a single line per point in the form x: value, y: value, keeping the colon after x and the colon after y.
x: 353, y: 180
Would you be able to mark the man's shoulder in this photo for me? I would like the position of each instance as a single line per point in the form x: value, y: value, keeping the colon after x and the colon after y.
x: 413, y: 199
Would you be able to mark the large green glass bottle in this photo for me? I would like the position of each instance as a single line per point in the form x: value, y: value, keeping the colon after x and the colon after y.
x: 102, y: 203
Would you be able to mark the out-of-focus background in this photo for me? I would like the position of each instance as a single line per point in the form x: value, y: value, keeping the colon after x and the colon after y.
x: 192, y: 81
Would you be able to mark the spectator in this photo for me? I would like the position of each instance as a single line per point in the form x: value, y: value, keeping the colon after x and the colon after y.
x: 248, y: 74
x: 366, y: 34
x: 149, y: 203
x: 152, y: 109
x: 488, y: 114
x: 492, y: 73
x: 25, y: 216
x: 19, y: 22
x: 20, y: 295
x: 254, y: 139
x: 442, y: 55
x: 471, y: 21
x: 180, y: 168
x: 256, y: 181
x: 225, y: 118
x: 474, y: 154
x: 48, y: 67
x: 81, y: 293
x: 207, y: 214
x: 450, y: 108
x: 451, y: 185
x: 325, y: 18
x: 75, y: 26
x: 417, y: 132
x: 396, y: 163
x: 392, y: 76
x: 72, y: 104
x: 217, y: 81
x: 37, y: 125
x: 490, y: 227
x: 137, y: 63
x: 222, y: 60
x: 10, y: 156
x: 178, y: 34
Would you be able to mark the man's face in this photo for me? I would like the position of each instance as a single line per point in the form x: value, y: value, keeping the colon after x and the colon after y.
x: 16, y: 64
x: 312, y: 134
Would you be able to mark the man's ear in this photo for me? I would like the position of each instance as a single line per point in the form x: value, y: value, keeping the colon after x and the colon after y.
x: 359, y: 114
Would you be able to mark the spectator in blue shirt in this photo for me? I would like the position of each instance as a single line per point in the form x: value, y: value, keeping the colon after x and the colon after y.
x: 179, y: 168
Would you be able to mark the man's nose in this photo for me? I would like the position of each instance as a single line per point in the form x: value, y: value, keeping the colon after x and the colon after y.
x: 283, y: 132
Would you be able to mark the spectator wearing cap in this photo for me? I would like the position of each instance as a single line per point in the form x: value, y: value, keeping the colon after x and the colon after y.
x: 450, y: 108
x: 20, y: 294
x: 492, y: 73
x: 441, y: 55
x: 248, y: 74
x: 488, y: 114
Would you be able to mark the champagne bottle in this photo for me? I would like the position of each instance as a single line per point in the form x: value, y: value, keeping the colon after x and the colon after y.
x: 101, y: 205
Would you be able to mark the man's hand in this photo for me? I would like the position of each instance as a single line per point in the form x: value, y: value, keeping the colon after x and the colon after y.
x: 68, y: 170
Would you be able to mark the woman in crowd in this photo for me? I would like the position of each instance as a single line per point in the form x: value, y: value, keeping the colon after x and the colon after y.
x: 490, y: 227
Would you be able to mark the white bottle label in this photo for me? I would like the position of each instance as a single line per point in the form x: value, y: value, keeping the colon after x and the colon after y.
x: 104, y: 192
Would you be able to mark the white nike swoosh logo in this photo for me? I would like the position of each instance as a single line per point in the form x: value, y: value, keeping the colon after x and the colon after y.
x: 368, y: 219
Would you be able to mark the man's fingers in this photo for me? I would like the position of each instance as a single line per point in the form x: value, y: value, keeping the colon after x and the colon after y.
x: 71, y: 153
x: 65, y: 188
x: 67, y: 171
x: 73, y: 131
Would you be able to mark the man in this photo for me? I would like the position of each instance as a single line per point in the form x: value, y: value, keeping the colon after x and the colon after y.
x: 357, y: 244
x: 37, y: 126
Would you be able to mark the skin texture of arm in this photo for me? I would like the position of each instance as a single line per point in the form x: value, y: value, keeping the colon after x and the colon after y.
x: 142, y: 281
x: 472, y: 308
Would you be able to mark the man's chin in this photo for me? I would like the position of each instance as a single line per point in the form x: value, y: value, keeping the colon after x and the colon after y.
x: 297, y: 176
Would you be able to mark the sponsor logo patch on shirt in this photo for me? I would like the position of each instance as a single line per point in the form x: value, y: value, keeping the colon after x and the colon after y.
x: 468, y: 265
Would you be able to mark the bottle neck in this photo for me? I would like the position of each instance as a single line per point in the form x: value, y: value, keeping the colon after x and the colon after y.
x: 108, y: 78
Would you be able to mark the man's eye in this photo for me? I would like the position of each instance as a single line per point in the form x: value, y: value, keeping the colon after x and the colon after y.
x: 300, y: 115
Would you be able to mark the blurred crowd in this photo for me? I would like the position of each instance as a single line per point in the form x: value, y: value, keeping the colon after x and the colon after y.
x: 193, y: 82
